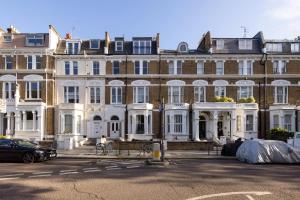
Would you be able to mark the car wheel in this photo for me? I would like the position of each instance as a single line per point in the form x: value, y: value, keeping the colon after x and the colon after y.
x: 28, y: 158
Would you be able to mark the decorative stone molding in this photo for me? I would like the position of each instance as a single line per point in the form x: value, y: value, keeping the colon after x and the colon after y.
x: 244, y: 83
x: 281, y: 82
x: 33, y: 77
x: 8, y: 78
x: 140, y: 83
x: 116, y: 83
x: 175, y: 83
x: 200, y: 83
x: 220, y: 83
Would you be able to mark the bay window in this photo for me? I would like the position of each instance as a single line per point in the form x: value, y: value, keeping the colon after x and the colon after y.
x: 276, y: 121
x: 33, y: 90
x: 249, y: 122
x: 178, y: 123
x: 175, y: 94
x: 199, y: 92
x: 140, y: 124
x: 140, y: 94
x: 71, y: 94
x: 68, y: 123
x: 116, y: 95
x: 287, y: 122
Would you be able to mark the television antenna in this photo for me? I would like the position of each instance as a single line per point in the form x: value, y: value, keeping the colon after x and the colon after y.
x: 245, y: 31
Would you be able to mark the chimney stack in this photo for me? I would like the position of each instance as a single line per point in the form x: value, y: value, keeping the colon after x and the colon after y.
x: 12, y: 29
x: 68, y: 36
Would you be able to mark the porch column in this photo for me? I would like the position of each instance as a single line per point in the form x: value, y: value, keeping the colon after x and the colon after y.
x: 73, y: 123
x: 24, y: 120
x: 8, y: 116
x: 18, y: 120
x: 39, y: 116
x: 233, y: 123
x: 146, y: 124
x: 133, y: 124
x: 215, y: 124
x: 184, y: 129
x: 33, y: 120
x: 196, y: 125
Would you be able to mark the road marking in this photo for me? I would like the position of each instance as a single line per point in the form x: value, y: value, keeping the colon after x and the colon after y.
x: 231, y: 194
x: 133, y: 166
x: 69, y: 170
x: 10, y: 178
x: 65, y: 173
x: 115, y: 168
x: 37, y: 173
x: 8, y: 175
x: 41, y: 175
x: 94, y: 170
x: 249, y: 197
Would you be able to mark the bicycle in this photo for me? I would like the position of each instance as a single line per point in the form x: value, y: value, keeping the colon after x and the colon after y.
x: 145, y: 148
x: 105, y: 149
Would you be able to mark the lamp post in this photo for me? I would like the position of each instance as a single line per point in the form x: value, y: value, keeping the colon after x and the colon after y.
x: 162, y: 109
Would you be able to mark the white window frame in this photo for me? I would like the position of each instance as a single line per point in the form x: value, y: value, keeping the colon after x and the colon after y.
x: 178, y: 123
x: 276, y: 119
x: 288, y: 126
x: 5, y: 37
x: 76, y: 94
x: 93, y: 95
x: 274, y: 47
x: 12, y: 61
x: 113, y: 67
x: 29, y: 90
x: 70, y: 123
x: 137, y: 94
x: 219, y: 44
x: 141, y: 67
x: 71, y: 67
x: 197, y: 97
x: 284, y: 95
x: 98, y: 43
x: 35, y: 36
x: 295, y: 47
x: 218, y: 90
x: 171, y: 96
x: 175, y: 69
x: 138, y: 43
x: 114, y: 91
x: 249, y: 91
x: 73, y: 48
x: 279, y: 66
x: 11, y: 93
x: 245, y: 67
x: 118, y: 44
x: 200, y: 67
x: 94, y: 62
x: 34, y: 62
x: 220, y: 67
x: 245, y: 44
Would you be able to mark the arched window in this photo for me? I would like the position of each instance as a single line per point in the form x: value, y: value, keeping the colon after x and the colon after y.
x: 183, y: 47
x: 97, y: 118
x: 114, y: 118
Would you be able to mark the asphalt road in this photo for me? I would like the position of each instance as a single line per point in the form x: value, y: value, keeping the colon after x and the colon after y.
x: 131, y: 179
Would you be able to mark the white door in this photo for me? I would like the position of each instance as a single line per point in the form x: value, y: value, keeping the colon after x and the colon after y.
x: 97, y: 127
x: 115, y: 127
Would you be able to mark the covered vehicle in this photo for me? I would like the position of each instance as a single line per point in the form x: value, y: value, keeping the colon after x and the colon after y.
x: 267, y: 151
x: 24, y: 150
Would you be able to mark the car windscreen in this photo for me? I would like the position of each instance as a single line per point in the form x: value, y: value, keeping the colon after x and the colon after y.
x: 25, y: 143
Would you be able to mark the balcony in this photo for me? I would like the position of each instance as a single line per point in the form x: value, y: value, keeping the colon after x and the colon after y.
x: 214, y: 105
x: 70, y: 106
x: 177, y: 106
x: 140, y: 106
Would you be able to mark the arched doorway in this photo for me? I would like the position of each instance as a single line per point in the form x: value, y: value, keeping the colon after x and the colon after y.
x: 202, y: 127
x: 115, y: 126
x: 97, y: 127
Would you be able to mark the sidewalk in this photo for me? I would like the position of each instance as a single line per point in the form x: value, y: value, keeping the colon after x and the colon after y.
x: 80, y: 153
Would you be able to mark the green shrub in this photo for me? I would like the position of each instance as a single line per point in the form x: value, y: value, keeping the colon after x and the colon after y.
x: 247, y: 100
x: 223, y: 99
x: 279, y: 134
x: 2, y: 137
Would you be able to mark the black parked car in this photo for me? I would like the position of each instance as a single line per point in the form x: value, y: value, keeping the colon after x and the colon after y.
x: 24, y: 150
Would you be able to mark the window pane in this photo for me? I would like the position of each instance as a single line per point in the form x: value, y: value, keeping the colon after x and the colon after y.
x: 96, y: 68
x: 38, y: 62
x: 29, y: 62
x: 75, y: 68
x: 67, y: 68
x: 140, y: 124
x: 137, y: 67
x: 249, y: 122
x: 145, y: 67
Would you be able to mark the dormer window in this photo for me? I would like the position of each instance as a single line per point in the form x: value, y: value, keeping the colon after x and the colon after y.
x: 220, y: 44
x: 94, y: 44
x: 295, y: 47
x: 35, y: 40
x: 72, y: 47
x: 119, y: 46
x: 245, y: 44
x: 183, y: 47
x: 142, y: 47
x: 274, y: 47
x: 7, y: 38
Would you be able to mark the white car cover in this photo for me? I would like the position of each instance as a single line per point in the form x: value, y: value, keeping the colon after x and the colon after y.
x: 267, y: 151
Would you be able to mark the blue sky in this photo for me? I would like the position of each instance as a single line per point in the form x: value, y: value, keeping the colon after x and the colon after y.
x: 175, y: 20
